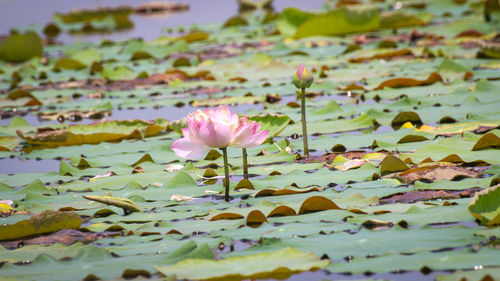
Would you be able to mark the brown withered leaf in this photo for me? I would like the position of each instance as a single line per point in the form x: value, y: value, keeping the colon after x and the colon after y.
x: 284, y: 191
x: 489, y: 140
x: 410, y: 82
x: 317, y: 204
x: 92, y: 134
x: 64, y: 236
x: 43, y: 222
x: 403, y: 53
x: 162, y: 8
x: 255, y: 219
x: 74, y: 115
x: 436, y: 172
x: 425, y: 195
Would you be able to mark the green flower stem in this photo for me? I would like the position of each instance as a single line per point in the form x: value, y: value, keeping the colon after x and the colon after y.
x: 304, y: 126
x: 226, y: 174
x: 245, y: 165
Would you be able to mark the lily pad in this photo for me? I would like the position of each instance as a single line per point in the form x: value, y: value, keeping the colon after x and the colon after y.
x: 485, y: 206
x: 44, y: 222
x: 277, y: 264
x: 92, y: 134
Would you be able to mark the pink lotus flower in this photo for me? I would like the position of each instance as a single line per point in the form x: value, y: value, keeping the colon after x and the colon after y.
x: 216, y: 128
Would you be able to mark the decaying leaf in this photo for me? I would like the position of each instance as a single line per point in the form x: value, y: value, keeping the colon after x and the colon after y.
x: 410, y: 82
x: 43, y: 222
x: 436, y: 172
x: 92, y: 134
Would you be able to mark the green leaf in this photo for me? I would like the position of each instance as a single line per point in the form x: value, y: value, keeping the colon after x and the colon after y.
x: 43, y: 222
x: 277, y: 264
x: 392, y: 164
x: 339, y: 22
x: 127, y: 205
x: 68, y: 63
x: 485, y: 206
x: 21, y: 47
x: 7, y: 143
x: 290, y: 19
x: 93, y: 134
x: 275, y: 124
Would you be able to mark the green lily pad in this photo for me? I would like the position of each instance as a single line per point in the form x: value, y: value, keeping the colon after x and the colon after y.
x: 44, y: 222
x: 21, y: 47
x: 485, y: 206
x: 277, y: 264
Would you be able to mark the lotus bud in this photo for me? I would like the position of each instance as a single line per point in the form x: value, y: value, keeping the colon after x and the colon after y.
x: 302, y: 78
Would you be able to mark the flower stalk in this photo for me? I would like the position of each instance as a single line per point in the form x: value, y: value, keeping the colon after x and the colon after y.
x: 303, y: 119
x: 245, y: 165
x: 303, y: 79
x: 226, y: 174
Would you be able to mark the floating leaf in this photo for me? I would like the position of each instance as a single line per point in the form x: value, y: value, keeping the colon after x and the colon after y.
x: 194, y: 37
x: 21, y: 47
x: 436, y: 172
x: 284, y: 191
x: 406, y: 116
x: 43, y: 222
x: 392, y: 164
x: 290, y: 19
x: 410, y: 82
x: 277, y: 264
x: 485, y: 206
x: 386, y: 55
x: 8, y: 143
x: 92, y: 134
x: 226, y: 216
x: 244, y: 184
x: 282, y: 211
x: 255, y: 219
x: 235, y: 21
x: 317, y: 204
x: 68, y: 63
x: 489, y: 140
x: 127, y: 205
x: 274, y: 123
x: 338, y: 22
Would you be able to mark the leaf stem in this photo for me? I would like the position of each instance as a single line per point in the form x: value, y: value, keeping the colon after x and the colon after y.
x: 226, y: 174
x: 303, y: 117
x: 245, y: 165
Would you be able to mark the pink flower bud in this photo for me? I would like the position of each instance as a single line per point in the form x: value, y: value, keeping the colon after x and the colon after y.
x: 302, y: 78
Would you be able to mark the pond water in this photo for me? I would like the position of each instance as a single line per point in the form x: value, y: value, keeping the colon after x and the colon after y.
x: 18, y: 13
